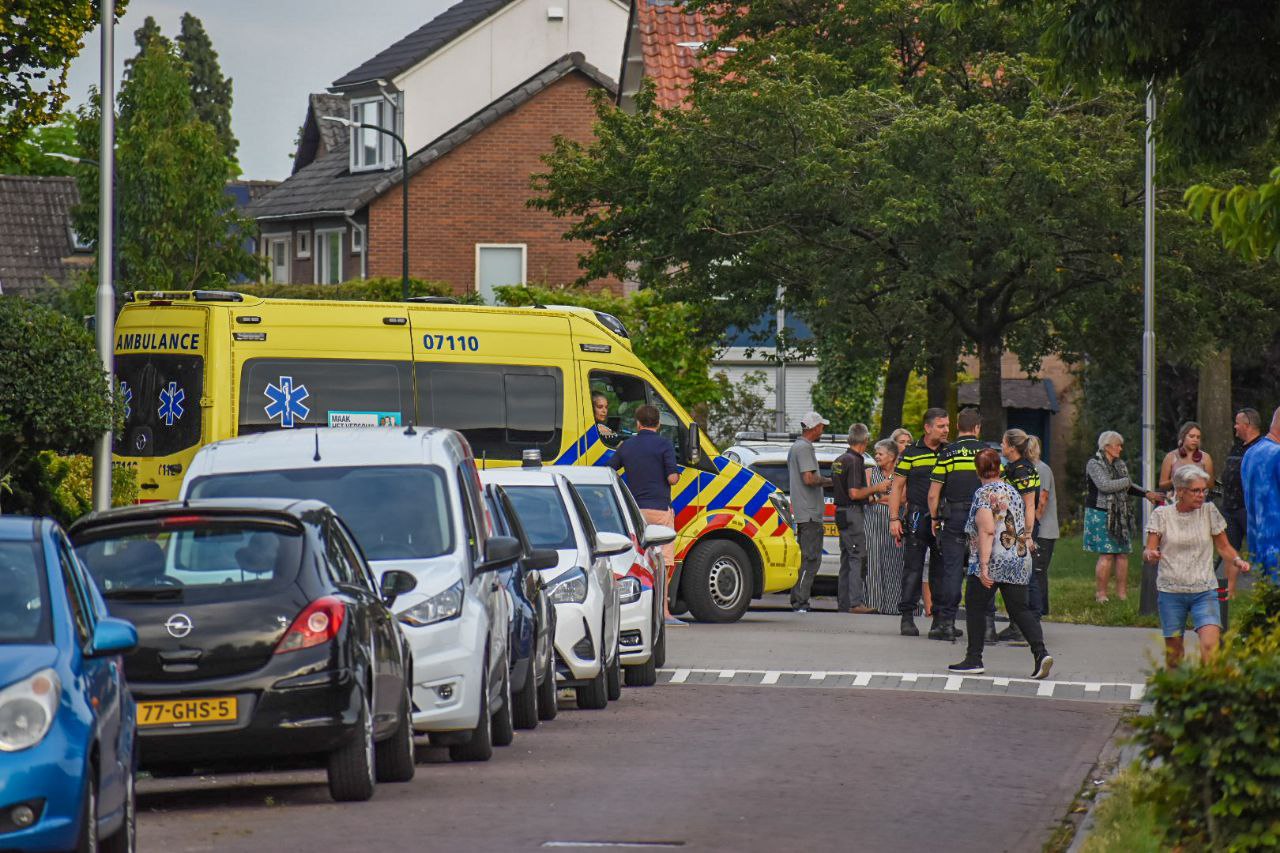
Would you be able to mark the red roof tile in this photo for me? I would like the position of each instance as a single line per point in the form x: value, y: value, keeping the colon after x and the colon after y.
x: 663, y: 26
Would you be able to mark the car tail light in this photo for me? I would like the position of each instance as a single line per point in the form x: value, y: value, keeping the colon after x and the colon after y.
x: 317, y: 623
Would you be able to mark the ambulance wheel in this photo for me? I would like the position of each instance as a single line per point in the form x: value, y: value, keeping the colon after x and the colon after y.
x: 717, y: 581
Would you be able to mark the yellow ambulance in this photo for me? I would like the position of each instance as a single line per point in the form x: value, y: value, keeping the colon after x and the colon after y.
x: 198, y: 366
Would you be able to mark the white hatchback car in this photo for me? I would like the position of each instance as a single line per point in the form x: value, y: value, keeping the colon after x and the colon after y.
x: 582, y: 587
x: 412, y: 499
x: 640, y: 571
x: 766, y: 454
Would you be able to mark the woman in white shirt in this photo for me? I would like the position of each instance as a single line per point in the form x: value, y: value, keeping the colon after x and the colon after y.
x: 1182, y: 537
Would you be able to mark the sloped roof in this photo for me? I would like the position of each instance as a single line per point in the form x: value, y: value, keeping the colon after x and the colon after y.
x: 661, y: 27
x: 422, y: 42
x: 319, y: 138
x: 1016, y: 394
x: 35, y: 235
x: 328, y: 187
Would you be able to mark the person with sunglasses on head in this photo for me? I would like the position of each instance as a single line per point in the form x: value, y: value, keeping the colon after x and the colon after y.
x: 1181, y: 538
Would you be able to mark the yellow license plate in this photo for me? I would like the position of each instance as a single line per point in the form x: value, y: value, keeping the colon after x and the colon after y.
x: 178, y: 712
x: 829, y: 529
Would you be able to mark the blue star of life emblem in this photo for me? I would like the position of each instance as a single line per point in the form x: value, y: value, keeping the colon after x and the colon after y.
x: 286, y: 402
x: 171, y: 399
x: 126, y: 396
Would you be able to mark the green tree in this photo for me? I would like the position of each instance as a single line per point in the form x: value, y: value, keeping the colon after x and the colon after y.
x: 178, y: 226
x: 53, y: 393
x: 38, y: 40
x: 210, y: 91
x: 29, y: 154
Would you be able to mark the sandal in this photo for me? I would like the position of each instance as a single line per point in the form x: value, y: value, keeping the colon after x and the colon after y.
x: 1101, y: 599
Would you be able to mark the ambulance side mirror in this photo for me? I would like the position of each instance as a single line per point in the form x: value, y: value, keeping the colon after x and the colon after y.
x: 693, y: 446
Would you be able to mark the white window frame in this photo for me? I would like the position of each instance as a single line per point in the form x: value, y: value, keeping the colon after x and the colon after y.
x: 322, y: 258
x: 268, y: 243
x: 304, y: 243
x: 388, y: 149
x: 524, y: 260
x: 357, y: 241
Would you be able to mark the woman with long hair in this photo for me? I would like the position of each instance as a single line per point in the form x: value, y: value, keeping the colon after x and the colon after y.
x: 1188, y: 452
x: 884, y: 555
x: 1108, y: 515
x: 1046, y: 528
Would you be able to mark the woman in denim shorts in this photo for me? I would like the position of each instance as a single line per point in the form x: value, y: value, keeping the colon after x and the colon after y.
x: 1182, y: 537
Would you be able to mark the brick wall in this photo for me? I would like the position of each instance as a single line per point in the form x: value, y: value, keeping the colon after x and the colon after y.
x: 477, y: 192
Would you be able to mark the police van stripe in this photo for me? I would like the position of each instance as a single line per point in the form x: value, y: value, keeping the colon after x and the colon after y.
x: 760, y: 499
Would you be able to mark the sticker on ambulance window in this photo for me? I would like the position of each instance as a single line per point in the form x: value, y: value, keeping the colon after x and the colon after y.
x: 363, y: 419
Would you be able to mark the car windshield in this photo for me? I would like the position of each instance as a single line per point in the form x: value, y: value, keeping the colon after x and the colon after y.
x: 397, y: 512
x: 543, y: 515
x: 192, y: 558
x: 24, y: 595
x: 603, y: 507
x: 777, y: 473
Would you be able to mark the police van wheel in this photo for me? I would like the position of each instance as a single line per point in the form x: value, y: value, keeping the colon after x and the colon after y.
x: 717, y: 582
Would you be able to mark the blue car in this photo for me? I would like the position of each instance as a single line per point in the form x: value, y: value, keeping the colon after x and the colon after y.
x: 67, y: 734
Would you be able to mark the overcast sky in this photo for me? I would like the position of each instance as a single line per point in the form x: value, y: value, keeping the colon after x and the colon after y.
x: 275, y: 51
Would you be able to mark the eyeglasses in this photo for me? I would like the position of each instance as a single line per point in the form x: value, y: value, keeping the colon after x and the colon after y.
x: 1196, y: 491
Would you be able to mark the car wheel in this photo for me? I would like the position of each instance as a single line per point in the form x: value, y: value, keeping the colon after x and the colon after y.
x: 504, y: 731
x: 642, y: 675
x: 480, y: 746
x: 393, y: 757
x: 614, y: 677
x: 717, y: 582
x: 524, y: 711
x: 351, y: 766
x: 88, y: 841
x: 548, y: 707
x: 126, y: 838
x: 594, y: 695
x: 660, y: 648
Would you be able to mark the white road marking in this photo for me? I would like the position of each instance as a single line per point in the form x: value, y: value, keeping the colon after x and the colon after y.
x: 680, y: 676
x: 659, y: 845
x: 728, y: 673
x: 1136, y: 692
x: 910, y: 677
x: 1046, y: 688
x: 862, y: 679
x: 1092, y: 687
x: 953, y: 682
x: 770, y: 677
x: 817, y: 676
x: 1000, y: 682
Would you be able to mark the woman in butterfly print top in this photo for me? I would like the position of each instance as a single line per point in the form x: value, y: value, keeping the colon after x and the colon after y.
x: 999, y: 558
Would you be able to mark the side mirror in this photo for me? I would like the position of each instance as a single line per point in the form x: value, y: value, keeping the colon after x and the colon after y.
x: 608, y: 544
x: 693, y: 448
x: 658, y: 534
x: 394, y: 584
x: 112, y: 637
x: 542, y: 558
x: 499, y: 552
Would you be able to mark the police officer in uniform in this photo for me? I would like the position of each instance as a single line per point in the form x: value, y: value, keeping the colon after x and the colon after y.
x: 909, y: 514
x: 951, y: 488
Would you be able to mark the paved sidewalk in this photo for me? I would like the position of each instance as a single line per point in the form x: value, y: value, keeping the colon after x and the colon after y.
x: 772, y: 638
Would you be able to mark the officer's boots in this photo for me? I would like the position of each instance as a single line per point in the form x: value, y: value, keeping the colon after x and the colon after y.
x: 909, y: 628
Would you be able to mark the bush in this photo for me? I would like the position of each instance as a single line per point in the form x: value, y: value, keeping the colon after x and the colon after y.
x: 1214, y: 740
x: 382, y: 289
x: 741, y: 407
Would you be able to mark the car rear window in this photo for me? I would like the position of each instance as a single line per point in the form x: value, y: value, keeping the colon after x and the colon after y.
x: 397, y: 512
x: 543, y: 515
x: 192, y: 558
x: 24, y: 595
x: 602, y: 506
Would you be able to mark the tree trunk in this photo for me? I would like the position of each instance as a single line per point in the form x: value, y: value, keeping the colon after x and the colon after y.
x: 895, y: 394
x: 1214, y: 407
x: 990, y: 393
x: 941, y: 382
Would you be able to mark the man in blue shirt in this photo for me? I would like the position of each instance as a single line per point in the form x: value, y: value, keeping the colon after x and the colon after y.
x: 649, y: 462
x: 1260, y: 471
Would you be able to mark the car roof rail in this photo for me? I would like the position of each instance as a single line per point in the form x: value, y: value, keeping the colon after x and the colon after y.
x: 433, y: 300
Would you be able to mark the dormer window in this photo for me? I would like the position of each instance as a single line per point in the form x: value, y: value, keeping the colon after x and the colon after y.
x: 78, y: 241
x: 369, y: 148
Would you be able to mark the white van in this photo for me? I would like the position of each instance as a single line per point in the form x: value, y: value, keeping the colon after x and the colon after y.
x: 582, y: 587
x: 412, y: 499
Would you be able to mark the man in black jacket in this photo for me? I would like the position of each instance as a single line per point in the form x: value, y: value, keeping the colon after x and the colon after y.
x: 849, y: 485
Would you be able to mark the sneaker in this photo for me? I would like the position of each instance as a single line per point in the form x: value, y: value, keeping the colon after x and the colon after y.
x: 804, y: 608
x: 1044, y: 663
x: 968, y: 666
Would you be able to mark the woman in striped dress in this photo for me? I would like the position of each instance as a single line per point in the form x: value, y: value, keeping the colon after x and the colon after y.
x: 884, y: 556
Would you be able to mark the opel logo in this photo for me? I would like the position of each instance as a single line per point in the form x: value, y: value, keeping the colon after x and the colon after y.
x: 178, y: 625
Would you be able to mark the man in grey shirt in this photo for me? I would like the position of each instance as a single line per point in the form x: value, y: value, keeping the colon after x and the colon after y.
x: 1046, y: 531
x: 807, y: 505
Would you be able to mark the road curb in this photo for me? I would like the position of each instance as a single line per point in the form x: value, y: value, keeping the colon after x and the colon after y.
x: 1115, y: 756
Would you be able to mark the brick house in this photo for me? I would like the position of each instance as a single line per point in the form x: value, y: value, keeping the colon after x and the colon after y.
x: 478, y: 95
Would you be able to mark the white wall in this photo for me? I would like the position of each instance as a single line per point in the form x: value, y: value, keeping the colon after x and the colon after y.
x: 800, y: 379
x: 480, y: 66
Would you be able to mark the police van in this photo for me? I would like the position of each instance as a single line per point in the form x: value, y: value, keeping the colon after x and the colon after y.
x: 199, y: 366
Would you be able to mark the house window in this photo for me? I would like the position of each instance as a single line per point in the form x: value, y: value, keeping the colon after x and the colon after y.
x: 498, y: 264
x: 369, y: 148
x: 78, y: 242
x: 357, y: 240
x: 329, y: 257
x: 278, y: 257
x: 304, y: 244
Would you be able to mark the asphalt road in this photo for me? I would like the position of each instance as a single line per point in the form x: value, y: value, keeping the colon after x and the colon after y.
x: 709, y: 766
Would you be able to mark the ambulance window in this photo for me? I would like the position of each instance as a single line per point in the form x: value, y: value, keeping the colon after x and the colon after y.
x: 305, y: 392
x: 161, y: 395
x: 625, y: 394
x: 501, y: 409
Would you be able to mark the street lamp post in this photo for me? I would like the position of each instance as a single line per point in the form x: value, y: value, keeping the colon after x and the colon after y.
x: 780, y: 380
x: 106, y: 294
x: 115, y: 208
x: 404, y: 216
x: 1147, y: 600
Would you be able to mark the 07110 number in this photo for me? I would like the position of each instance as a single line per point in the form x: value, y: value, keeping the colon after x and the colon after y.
x: 465, y: 343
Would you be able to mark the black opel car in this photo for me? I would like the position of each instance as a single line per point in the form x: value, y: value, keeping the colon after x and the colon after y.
x: 262, y: 639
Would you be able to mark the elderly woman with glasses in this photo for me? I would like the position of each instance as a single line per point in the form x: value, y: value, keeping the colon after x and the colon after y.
x: 1182, y: 537
x: 1108, y: 515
